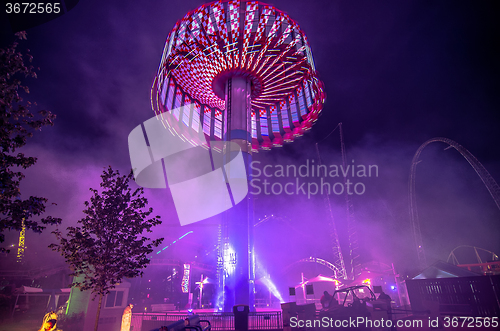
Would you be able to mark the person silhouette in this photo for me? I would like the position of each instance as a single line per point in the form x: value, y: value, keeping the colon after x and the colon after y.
x: 325, y: 300
x: 127, y: 318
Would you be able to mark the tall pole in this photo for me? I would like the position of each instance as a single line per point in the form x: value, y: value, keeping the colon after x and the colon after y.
x: 21, y: 244
x: 396, y: 279
x: 351, y: 221
x: 201, y: 292
x: 337, y: 250
x: 238, y: 220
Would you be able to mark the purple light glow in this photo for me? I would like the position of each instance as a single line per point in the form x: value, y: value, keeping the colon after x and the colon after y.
x: 396, y: 74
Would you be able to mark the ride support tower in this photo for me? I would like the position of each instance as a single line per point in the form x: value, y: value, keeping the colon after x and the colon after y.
x: 241, y: 71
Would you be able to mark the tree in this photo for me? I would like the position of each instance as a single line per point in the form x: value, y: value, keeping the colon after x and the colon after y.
x: 109, y: 244
x: 17, y: 124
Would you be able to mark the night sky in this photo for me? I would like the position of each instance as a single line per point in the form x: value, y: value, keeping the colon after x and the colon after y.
x: 396, y: 74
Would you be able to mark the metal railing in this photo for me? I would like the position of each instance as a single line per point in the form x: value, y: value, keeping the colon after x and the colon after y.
x: 219, y: 321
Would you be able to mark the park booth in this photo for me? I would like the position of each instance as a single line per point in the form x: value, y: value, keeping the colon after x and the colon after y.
x: 447, y: 289
x: 38, y: 300
x: 112, y: 307
x: 311, y: 290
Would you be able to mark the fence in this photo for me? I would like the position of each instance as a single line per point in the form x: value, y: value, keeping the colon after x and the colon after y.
x: 465, y: 296
x: 219, y: 321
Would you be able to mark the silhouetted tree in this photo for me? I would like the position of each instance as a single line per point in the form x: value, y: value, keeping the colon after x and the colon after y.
x: 109, y: 244
x: 17, y: 124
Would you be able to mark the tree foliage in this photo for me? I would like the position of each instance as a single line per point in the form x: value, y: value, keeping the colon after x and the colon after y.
x: 109, y: 245
x: 17, y: 124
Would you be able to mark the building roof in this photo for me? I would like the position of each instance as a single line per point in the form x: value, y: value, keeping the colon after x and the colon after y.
x: 441, y: 269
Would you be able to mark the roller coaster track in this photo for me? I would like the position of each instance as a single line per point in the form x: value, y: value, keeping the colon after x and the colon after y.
x: 452, y: 258
x: 485, y: 176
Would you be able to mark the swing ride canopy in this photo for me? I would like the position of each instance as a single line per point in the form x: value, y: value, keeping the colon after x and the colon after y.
x: 248, y: 39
